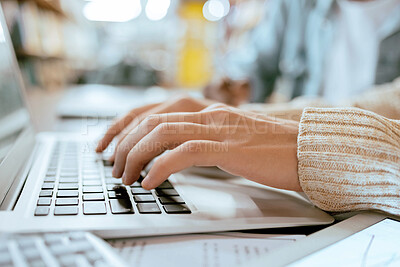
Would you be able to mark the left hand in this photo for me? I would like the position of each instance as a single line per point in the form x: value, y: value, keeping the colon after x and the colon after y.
x: 228, y: 91
x: 251, y: 145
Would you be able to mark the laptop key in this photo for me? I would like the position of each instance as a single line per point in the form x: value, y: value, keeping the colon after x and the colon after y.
x: 136, y: 184
x: 113, y: 181
x: 67, y: 260
x: 42, y: 211
x: 93, y: 256
x: 121, y: 206
x: 165, y: 185
x: 51, y: 173
x: 67, y: 202
x: 112, y: 187
x: 44, y: 201
x: 171, y: 200
x: 66, y: 210
x: 26, y: 242
x: 50, y: 179
x: 92, y: 189
x: 91, y: 177
x: 91, y: 172
x: 68, y: 186
x: 92, y: 182
x: 115, y: 195
x: 139, y: 191
x: 77, y: 236
x: 176, y: 209
x: 92, y: 208
x: 69, y: 174
x: 51, y: 239
x: 69, y: 180
x: 108, y: 163
x: 93, y: 197
x: 6, y: 259
x: 71, y: 248
x: 166, y: 192
x: 48, y: 185
x: 144, y: 198
x: 148, y: 208
x: 69, y: 169
x: 31, y: 253
x: 67, y: 193
x: 46, y: 193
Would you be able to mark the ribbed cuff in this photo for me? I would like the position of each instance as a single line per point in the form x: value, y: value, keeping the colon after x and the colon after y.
x: 349, y: 159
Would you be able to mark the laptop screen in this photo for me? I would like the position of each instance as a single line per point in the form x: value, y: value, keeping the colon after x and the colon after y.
x: 14, y: 116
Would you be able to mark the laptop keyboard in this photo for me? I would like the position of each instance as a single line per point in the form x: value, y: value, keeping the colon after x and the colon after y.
x: 55, y: 249
x: 78, y: 182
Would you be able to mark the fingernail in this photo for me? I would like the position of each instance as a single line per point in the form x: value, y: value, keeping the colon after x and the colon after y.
x: 124, y: 178
x: 115, y: 172
x: 145, y: 182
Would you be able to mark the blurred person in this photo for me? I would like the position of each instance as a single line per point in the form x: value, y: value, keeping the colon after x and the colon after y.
x: 333, y: 49
x: 343, y: 159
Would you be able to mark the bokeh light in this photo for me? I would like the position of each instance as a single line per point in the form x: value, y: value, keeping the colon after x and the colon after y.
x: 157, y: 9
x: 113, y: 11
x: 214, y: 10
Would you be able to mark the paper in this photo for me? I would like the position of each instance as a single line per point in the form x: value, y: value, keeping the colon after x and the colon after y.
x: 199, y: 250
x: 377, y: 245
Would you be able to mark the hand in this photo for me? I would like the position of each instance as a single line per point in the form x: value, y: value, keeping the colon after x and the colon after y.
x: 228, y: 91
x: 124, y: 125
x: 242, y: 143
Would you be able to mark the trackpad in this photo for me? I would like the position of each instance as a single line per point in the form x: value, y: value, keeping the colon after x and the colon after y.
x: 237, y: 198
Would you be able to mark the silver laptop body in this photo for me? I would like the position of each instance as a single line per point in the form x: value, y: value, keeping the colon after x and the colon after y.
x: 55, y: 182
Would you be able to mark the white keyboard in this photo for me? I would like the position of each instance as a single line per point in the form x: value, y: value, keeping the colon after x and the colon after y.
x: 56, y: 249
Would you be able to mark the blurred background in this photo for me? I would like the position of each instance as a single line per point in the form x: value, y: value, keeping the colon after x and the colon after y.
x: 302, y: 53
x: 167, y: 43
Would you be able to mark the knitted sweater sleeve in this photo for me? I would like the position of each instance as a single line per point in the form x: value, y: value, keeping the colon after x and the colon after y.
x: 349, y: 159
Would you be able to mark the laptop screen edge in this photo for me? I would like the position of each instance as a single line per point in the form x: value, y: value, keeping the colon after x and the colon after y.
x: 22, y: 147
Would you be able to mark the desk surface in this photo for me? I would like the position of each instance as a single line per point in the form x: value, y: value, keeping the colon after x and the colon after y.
x: 43, y: 106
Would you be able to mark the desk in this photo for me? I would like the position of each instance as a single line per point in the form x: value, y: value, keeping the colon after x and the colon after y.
x: 43, y: 106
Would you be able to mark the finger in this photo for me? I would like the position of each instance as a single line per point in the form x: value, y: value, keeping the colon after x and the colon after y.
x: 112, y: 158
x: 215, y: 106
x: 180, y: 104
x: 124, y: 133
x: 119, y: 125
x: 192, y: 153
x: 158, y: 141
x: 145, y: 127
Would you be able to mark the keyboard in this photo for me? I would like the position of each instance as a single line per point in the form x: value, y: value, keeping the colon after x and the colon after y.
x: 57, y: 249
x: 78, y: 181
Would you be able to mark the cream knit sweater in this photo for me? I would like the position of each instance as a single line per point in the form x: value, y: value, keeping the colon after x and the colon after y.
x: 349, y: 158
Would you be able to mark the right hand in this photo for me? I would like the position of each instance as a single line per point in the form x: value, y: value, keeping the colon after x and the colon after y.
x: 121, y: 127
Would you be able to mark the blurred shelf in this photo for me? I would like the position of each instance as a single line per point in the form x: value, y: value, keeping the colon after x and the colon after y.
x: 21, y: 54
x: 46, y: 5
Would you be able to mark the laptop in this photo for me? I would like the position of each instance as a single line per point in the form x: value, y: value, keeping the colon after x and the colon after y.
x: 55, y: 182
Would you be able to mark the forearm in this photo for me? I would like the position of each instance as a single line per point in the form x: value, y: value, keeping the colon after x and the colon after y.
x: 382, y: 99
